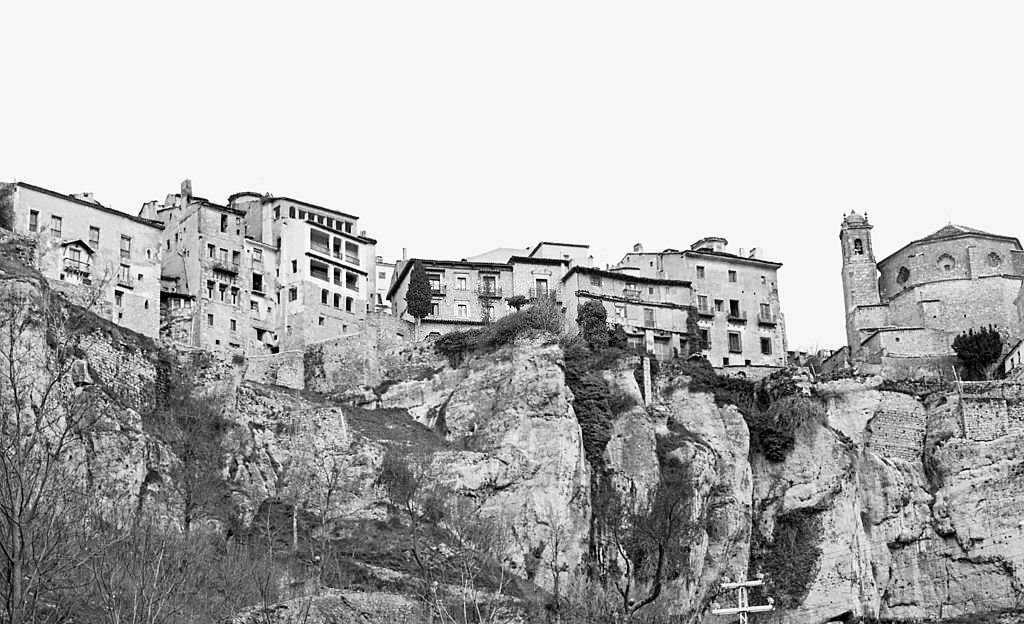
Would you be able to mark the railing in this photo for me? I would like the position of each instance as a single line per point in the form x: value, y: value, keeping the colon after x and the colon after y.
x: 438, y: 290
x: 631, y: 293
x: 319, y: 248
x: 77, y: 266
x: 488, y: 290
x: 706, y: 311
x: 225, y: 265
x: 126, y: 280
x: 648, y: 322
x: 766, y: 319
x: 738, y: 315
x: 543, y: 293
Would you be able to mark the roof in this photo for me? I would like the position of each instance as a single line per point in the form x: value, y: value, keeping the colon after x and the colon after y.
x: 639, y: 279
x: 501, y: 254
x: 90, y: 204
x: 949, y: 232
x: 537, y: 260
x: 455, y: 264
x: 81, y: 242
x: 718, y: 254
x: 272, y: 199
x: 542, y: 243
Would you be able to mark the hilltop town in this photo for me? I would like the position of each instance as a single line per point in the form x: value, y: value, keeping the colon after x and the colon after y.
x: 248, y: 388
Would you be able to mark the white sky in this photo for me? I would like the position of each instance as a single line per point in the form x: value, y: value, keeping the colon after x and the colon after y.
x: 452, y: 128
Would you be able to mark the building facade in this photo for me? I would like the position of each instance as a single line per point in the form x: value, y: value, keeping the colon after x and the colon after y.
x: 914, y: 302
x: 101, y: 257
x: 261, y: 273
x: 736, y: 298
x: 654, y: 312
x: 385, y: 272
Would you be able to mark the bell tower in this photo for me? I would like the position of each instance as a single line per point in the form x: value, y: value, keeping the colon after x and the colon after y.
x: 860, y: 274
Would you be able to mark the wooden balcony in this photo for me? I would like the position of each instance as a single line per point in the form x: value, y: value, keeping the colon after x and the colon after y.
x: 767, y: 319
x: 737, y: 316
x: 489, y: 290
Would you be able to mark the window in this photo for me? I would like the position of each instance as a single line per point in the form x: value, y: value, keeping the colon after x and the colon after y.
x: 766, y: 311
x: 293, y: 293
x: 337, y: 300
x: 124, y: 275
x: 352, y: 281
x: 700, y: 272
x: 542, y: 286
x: 223, y: 288
x: 118, y: 298
x: 319, y: 270
x: 435, y: 309
x: 766, y: 346
x: 211, y: 251
x: 351, y: 253
x: 223, y: 223
x: 254, y: 307
x: 462, y: 310
x: 620, y: 310
x: 903, y: 275
x: 704, y: 336
x: 702, y: 303
x: 323, y: 296
x: 718, y: 305
x: 725, y: 361
x: 257, y: 256
x: 319, y: 242
x: 348, y: 303
x: 946, y: 262
x: 764, y: 280
x: 435, y: 283
x: 74, y: 253
x: 994, y: 259
x: 236, y: 257
x: 302, y: 214
x: 94, y: 238
x: 55, y: 226
x: 126, y: 246
x: 223, y: 255
x: 461, y: 282
x: 33, y: 221
x: 734, y: 308
x: 595, y: 280
x: 234, y: 296
x: 209, y: 320
x: 257, y: 282
x: 381, y: 275
x: 650, y: 290
x: 209, y: 288
x: 648, y: 317
x: 732, y: 276
x: 735, y: 346
x: 320, y: 321
x: 291, y: 211
x: 858, y: 247
x: 277, y: 212
x: 234, y: 325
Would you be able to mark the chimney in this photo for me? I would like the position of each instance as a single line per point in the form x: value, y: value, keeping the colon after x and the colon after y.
x: 405, y: 256
x: 186, y: 192
x: 741, y: 254
x: 638, y: 248
x: 362, y: 233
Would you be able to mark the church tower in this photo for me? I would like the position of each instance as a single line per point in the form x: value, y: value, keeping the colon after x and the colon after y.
x: 860, y: 274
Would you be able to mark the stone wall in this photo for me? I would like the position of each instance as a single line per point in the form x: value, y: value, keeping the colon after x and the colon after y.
x: 127, y: 369
x: 897, y: 429
x: 277, y: 369
x: 991, y: 409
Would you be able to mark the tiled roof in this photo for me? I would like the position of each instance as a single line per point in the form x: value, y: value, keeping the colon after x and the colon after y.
x: 952, y: 230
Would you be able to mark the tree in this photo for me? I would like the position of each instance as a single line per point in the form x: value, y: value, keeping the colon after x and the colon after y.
x: 417, y: 296
x: 593, y: 322
x: 517, y: 302
x: 7, y: 206
x: 45, y: 421
x: 978, y: 351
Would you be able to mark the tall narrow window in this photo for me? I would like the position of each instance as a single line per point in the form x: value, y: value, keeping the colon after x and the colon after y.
x: 94, y: 238
x: 858, y: 247
x: 766, y: 346
x: 700, y: 272
x: 735, y: 346
x: 223, y: 223
x: 55, y: 226
x: 732, y: 276
x: 33, y: 221
x: 126, y: 246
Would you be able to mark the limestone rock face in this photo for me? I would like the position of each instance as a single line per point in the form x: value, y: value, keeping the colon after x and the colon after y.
x: 517, y: 450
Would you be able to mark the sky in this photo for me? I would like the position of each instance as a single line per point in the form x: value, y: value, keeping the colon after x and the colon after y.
x: 452, y: 128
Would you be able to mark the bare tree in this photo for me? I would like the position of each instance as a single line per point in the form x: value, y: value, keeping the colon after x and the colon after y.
x: 44, y: 421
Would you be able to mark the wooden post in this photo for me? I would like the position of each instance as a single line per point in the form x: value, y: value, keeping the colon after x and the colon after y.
x: 743, y: 608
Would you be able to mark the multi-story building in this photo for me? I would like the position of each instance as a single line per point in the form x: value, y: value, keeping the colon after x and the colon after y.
x: 100, y: 256
x: 385, y: 271
x: 653, y: 311
x: 736, y: 296
x: 913, y: 303
x: 262, y: 273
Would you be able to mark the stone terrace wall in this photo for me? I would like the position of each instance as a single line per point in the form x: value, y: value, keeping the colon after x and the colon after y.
x: 898, y: 427
x: 991, y: 409
x: 277, y: 369
x: 126, y: 369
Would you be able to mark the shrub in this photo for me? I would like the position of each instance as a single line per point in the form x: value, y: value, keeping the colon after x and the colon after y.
x: 417, y: 296
x: 593, y: 323
x: 790, y: 560
x: 7, y: 206
x: 978, y: 351
x: 517, y: 302
x: 542, y: 316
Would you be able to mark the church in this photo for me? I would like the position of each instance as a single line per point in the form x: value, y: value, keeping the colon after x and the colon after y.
x: 904, y: 311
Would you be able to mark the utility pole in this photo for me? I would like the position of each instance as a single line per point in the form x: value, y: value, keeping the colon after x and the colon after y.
x: 743, y: 607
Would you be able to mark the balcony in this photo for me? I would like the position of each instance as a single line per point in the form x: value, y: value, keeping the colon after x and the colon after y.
x: 224, y: 265
x: 79, y: 267
x: 126, y: 280
x: 649, y: 323
x: 489, y: 290
x: 737, y: 316
x: 631, y: 293
x: 767, y: 319
x: 706, y: 311
x: 438, y: 290
x: 543, y: 293
x: 321, y: 249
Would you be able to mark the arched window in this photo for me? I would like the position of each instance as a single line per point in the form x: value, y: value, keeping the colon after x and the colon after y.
x: 994, y: 259
x: 858, y: 247
x: 946, y: 262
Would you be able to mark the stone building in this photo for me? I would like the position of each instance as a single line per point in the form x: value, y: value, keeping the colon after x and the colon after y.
x: 736, y: 297
x: 905, y: 310
x: 653, y: 311
x: 385, y: 271
x: 101, y: 257
x: 261, y: 273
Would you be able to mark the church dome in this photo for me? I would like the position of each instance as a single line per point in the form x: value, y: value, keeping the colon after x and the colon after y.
x: 854, y: 219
